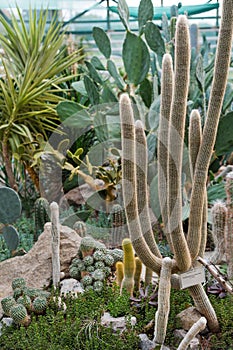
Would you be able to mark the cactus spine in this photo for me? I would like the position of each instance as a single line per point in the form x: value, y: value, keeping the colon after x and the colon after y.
x: 129, y: 266
x: 185, y: 250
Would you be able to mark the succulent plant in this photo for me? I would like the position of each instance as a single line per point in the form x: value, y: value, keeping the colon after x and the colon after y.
x: 98, y: 255
x: 74, y: 272
x: 7, y: 304
x: 17, y: 293
x: 98, y: 286
x: 88, y: 260
x: 90, y: 269
x: 98, y: 275
x: 42, y: 215
x: 80, y: 228
x: 109, y: 260
x: 99, y: 265
x: 18, y: 282
x: 39, y: 304
x: 87, y: 246
x: 19, y: 315
x: 25, y: 300
x: 87, y: 280
x: 117, y: 254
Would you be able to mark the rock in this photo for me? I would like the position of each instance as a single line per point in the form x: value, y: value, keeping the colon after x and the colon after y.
x: 147, y: 344
x: 71, y: 285
x: 36, y: 265
x: 117, y: 323
x: 188, y: 317
x: 6, y: 321
x: 180, y: 334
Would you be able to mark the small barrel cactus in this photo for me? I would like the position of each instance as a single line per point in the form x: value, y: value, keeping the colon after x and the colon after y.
x: 90, y: 269
x: 7, y: 304
x: 109, y: 260
x: 19, y: 315
x: 25, y: 301
x: 87, y: 280
x: 39, y: 305
x: 98, y: 275
x: 88, y: 260
x: 98, y: 286
x: 17, y: 293
x: 87, y: 246
x: 117, y: 254
x: 76, y: 262
x: 18, y: 282
x: 74, y: 272
x: 98, y: 255
x: 99, y: 265
x: 80, y: 228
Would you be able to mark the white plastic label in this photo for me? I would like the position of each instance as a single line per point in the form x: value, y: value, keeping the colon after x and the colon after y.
x: 192, y: 277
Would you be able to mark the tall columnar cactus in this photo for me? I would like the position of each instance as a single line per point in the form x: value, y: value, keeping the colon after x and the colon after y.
x: 129, y: 266
x: 80, y: 228
x: 219, y: 220
x: 137, y: 274
x: 55, y: 233
x: 10, y: 210
x: 118, y: 227
x: 119, y: 273
x: 229, y: 229
x: 186, y: 248
x: 42, y: 215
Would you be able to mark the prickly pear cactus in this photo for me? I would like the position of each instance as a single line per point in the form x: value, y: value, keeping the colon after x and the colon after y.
x: 42, y: 215
x: 10, y: 210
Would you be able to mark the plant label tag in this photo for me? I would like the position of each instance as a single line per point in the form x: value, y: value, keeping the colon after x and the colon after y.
x: 192, y: 277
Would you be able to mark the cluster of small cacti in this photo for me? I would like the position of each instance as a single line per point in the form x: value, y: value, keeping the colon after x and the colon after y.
x: 94, y: 263
x: 25, y: 300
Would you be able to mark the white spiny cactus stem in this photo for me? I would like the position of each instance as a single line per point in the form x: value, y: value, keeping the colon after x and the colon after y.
x: 161, y: 316
x: 55, y: 231
x: 194, y: 330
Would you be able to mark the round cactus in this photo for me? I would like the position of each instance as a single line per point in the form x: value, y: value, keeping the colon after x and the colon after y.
x: 89, y: 287
x: 87, y: 280
x: 98, y: 275
x: 76, y: 262
x: 109, y: 260
x: 7, y: 304
x: 80, y: 228
x: 101, y: 246
x: 98, y: 286
x: 18, y: 282
x: 88, y: 260
x: 99, y: 265
x: 19, y: 315
x: 87, y: 246
x: 90, y: 268
x: 17, y: 293
x: 98, y: 255
x: 39, y: 305
x: 117, y: 254
x: 74, y: 272
x: 25, y: 301
x: 107, y: 270
x: 31, y: 292
x: 45, y: 294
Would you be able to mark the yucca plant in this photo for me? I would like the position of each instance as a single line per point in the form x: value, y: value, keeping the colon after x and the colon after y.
x: 34, y: 59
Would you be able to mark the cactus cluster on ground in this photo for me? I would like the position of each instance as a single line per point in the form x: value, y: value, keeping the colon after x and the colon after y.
x: 94, y: 263
x: 24, y: 302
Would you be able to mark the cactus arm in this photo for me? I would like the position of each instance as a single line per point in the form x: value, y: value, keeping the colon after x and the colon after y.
x: 204, y: 306
x: 142, y: 188
x: 222, y: 61
x: 55, y: 231
x: 119, y: 272
x: 194, y: 330
x: 219, y: 219
x: 165, y: 113
x: 162, y: 313
x: 229, y: 229
x: 175, y: 143
x: 195, y: 138
x: 129, y: 185
x: 129, y: 266
x: 137, y: 274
